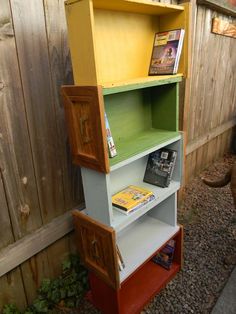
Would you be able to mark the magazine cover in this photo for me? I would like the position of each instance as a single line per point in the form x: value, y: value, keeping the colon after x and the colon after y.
x: 160, y: 167
x: 166, y: 52
x: 165, y: 256
x: 131, y: 198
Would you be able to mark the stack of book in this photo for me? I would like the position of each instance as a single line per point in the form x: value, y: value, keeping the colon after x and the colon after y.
x: 131, y: 198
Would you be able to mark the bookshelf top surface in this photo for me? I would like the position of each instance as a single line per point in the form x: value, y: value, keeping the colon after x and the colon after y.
x: 149, y: 81
x: 137, y: 6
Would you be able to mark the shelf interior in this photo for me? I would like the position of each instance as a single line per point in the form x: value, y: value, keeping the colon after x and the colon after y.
x: 118, y: 41
x: 128, y: 37
x: 141, y: 240
x: 146, y: 283
x: 140, y: 143
x: 141, y: 119
x: 121, y: 221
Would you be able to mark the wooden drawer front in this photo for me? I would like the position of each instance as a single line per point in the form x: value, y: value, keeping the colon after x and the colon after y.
x: 84, y: 111
x: 97, y: 248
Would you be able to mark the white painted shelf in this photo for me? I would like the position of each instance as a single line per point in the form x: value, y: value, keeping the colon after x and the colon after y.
x: 141, y: 240
x: 121, y: 221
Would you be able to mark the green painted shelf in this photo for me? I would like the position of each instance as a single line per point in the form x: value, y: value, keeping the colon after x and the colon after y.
x: 141, y: 143
x: 139, y: 83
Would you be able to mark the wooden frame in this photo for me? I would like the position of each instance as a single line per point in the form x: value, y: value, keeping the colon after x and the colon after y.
x: 85, y: 116
x: 225, y: 6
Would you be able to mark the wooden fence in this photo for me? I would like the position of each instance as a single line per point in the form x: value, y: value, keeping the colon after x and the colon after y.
x: 210, y: 114
x: 38, y: 184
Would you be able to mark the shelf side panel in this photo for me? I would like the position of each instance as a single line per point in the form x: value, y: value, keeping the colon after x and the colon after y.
x: 97, y: 195
x: 80, y: 24
x: 165, y: 109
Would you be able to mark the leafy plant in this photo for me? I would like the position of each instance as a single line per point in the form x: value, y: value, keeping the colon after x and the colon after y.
x: 66, y: 291
x: 10, y: 309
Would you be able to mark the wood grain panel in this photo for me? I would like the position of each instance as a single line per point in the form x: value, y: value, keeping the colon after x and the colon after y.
x: 61, y: 74
x: 15, y: 150
x: 222, y: 27
x: 6, y: 234
x: 193, y: 109
x: 219, y: 106
x: 33, y: 272
x: 46, y: 264
x: 97, y: 247
x: 31, y: 40
x: 31, y: 244
x: 212, y: 96
x: 84, y: 110
x: 12, y: 289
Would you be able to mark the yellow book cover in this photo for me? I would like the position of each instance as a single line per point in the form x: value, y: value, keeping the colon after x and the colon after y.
x: 131, y: 197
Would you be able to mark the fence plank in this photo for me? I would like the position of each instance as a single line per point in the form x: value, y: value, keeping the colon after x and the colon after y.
x: 15, y: 150
x: 34, y: 271
x: 31, y: 39
x: 18, y: 252
x: 229, y: 90
x: 193, y: 109
x: 197, y: 143
x: 6, y: 235
x: 12, y: 289
x: 61, y: 74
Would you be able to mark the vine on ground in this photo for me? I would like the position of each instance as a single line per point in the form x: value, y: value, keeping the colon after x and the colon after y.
x: 66, y: 291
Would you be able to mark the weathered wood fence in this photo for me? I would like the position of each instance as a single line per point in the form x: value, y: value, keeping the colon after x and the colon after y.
x: 210, y: 116
x: 38, y: 184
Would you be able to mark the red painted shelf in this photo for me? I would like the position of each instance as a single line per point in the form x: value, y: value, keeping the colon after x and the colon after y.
x: 144, y: 285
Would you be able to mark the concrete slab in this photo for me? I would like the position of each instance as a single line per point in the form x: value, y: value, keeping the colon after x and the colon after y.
x: 226, y: 304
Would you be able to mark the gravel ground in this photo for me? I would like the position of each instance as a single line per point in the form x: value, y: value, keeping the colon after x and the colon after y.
x: 209, y: 221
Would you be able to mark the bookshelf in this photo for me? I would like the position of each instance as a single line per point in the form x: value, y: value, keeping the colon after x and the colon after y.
x: 111, y: 45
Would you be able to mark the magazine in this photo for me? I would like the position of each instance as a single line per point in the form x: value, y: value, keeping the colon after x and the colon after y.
x: 166, y: 52
x: 131, y: 198
x: 165, y: 256
x: 160, y: 167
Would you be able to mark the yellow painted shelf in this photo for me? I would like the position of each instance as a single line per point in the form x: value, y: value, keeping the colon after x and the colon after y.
x: 137, y: 6
x: 112, y: 40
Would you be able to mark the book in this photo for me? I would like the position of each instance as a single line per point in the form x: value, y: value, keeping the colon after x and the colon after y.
x: 160, y: 167
x: 131, y: 198
x: 110, y: 141
x: 121, y: 263
x: 165, y: 256
x: 166, y: 52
